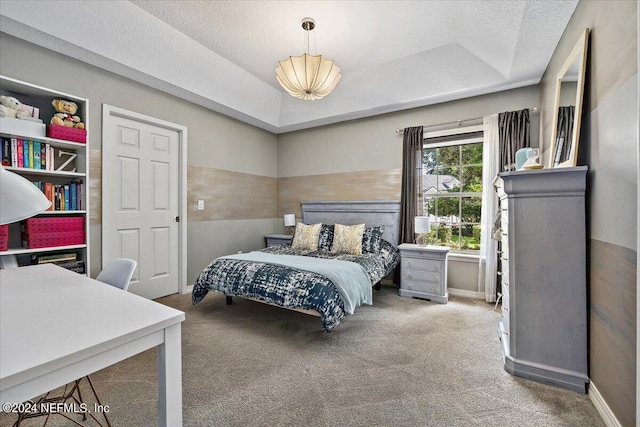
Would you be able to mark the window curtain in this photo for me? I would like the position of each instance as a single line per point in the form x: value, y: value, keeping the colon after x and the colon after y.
x: 489, y: 210
x: 411, y: 197
x: 514, y: 135
x: 564, y: 133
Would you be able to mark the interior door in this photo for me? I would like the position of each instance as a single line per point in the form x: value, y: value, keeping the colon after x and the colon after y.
x: 140, y: 201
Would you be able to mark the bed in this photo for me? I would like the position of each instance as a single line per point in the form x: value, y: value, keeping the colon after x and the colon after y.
x: 322, y: 279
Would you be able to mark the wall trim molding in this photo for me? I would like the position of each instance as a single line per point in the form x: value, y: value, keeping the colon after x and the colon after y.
x: 601, y: 406
x: 466, y: 294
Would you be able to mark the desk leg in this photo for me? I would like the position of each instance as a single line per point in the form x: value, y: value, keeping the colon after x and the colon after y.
x: 170, y: 378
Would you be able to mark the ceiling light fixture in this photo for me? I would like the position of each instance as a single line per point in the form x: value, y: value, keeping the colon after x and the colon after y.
x: 308, y: 77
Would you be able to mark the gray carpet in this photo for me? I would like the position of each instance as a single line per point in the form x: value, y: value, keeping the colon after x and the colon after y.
x: 400, y: 362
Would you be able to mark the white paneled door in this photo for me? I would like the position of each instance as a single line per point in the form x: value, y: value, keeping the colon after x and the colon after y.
x: 140, y: 200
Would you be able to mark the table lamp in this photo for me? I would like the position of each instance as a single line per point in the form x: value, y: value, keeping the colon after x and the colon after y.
x: 289, y: 221
x: 422, y: 227
x: 19, y: 199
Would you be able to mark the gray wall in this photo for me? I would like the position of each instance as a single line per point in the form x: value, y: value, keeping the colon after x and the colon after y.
x: 220, y: 151
x: 608, y: 145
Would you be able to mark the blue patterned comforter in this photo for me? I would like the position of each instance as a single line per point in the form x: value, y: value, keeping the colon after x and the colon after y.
x: 290, y: 287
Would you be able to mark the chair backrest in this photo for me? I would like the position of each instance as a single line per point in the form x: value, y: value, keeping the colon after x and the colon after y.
x: 118, y: 273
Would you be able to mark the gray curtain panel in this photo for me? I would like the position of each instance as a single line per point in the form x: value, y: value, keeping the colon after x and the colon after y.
x: 411, y: 198
x: 514, y: 134
x: 564, y: 133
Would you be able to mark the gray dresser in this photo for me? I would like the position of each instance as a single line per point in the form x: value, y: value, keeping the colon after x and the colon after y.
x: 424, y: 272
x: 543, y: 275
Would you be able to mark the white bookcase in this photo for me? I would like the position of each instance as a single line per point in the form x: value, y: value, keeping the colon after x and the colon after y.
x: 78, y: 169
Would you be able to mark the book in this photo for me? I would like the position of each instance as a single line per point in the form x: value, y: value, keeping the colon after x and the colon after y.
x: 43, y: 156
x: 76, y: 266
x: 6, y: 152
x: 14, y: 153
x: 65, y: 198
x: 30, y: 145
x: 22, y: 155
x: 48, y: 187
x: 44, y: 259
x: 36, y: 154
x: 80, y: 202
x: 73, y: 204
x: 57, y: 198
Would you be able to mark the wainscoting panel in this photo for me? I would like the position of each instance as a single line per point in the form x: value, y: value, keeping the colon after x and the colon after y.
x: 229, y: 195
x: 95, y: 187
x: 364, y: 185
x: 612, y: 326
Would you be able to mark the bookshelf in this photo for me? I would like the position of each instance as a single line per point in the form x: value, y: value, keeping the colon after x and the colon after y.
x: 76, y: 171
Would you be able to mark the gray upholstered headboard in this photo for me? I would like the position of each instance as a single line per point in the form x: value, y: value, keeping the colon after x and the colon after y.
x: 372, y: 213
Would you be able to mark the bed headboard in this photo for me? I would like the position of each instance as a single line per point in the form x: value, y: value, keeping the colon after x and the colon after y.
x: 372, y: 213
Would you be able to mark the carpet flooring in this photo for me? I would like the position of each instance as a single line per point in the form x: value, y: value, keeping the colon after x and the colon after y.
x: 400, y: 362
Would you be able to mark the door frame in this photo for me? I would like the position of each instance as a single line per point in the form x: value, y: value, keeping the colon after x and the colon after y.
x: 109, y: 111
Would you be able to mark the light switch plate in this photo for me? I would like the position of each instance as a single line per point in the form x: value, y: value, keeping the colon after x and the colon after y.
x: 200, y: 205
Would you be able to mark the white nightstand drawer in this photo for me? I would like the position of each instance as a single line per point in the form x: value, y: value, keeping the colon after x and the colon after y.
x: 422, y: 287
x: 423, y: 264
x: 422, y: 275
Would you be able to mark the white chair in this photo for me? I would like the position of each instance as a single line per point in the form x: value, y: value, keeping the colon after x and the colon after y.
x: 118, y: 273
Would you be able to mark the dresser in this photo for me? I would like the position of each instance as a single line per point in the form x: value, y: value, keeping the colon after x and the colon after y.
x: 543, y: 328
x: 424, y: 272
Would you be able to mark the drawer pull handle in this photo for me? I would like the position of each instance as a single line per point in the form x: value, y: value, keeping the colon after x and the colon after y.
x: 505, y: 332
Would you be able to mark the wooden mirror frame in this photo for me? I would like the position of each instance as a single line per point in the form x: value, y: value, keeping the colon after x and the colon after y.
x: 579, y: 52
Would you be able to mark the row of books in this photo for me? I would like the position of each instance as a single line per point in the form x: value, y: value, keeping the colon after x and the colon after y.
x: 23, y: 153
x: 64, y: 197
x: 66, y: 260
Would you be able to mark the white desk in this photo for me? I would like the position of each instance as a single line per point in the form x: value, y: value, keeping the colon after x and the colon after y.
x: 57, y: 326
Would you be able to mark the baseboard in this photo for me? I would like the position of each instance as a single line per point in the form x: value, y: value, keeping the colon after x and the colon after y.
x: 465, y: 293
x: 601, y: 406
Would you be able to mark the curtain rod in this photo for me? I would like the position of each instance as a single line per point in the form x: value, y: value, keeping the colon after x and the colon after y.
x: 459, y: 122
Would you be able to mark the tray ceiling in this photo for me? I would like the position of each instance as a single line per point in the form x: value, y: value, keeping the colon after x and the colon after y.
x: 222, y: 55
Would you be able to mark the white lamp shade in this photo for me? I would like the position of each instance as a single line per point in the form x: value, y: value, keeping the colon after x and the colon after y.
x: 19, y: 198
x: 422, y: 225
x: 289, y: 220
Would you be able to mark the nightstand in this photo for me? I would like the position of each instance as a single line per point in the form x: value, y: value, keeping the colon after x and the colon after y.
x: 278, y: 239
x: 424, y: 272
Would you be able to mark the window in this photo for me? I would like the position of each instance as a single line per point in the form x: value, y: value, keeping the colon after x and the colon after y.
x: 452, y: 186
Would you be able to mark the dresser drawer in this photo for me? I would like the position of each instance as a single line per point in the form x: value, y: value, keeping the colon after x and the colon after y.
x: 421, y: 264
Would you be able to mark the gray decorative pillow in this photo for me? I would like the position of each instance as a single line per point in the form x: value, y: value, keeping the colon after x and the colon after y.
x: 306, y: 236
x: 372, y: 239
x: 347, y: 239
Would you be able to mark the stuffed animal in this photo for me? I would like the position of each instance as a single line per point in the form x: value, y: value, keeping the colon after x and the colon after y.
x: 65, y: 115
x: 10, y: 107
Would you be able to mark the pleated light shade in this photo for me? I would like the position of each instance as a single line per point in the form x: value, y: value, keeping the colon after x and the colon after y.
x: 19, y: 198
x: 308, y: 77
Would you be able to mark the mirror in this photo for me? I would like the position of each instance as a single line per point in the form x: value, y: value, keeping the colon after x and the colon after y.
x: 567, y: 113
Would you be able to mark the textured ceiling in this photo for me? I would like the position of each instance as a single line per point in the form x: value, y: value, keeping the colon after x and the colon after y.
x: 222, y: 54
